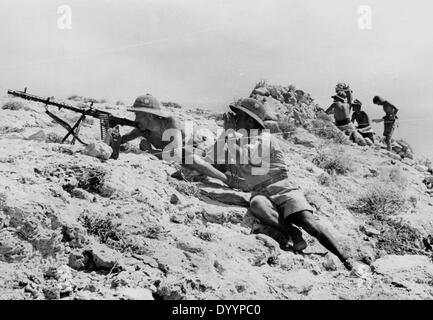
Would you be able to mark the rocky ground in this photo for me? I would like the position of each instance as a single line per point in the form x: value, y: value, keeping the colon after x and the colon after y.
x: 73, y: 226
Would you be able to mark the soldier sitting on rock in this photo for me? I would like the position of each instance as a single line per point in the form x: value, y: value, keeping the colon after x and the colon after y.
x: 276, y: 200
x: 342, y: 111
x: 363, y: 121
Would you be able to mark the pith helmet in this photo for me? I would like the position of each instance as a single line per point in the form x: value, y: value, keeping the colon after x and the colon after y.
x: 255, y: 109
x: 148, y: 104
x: 356, y: 102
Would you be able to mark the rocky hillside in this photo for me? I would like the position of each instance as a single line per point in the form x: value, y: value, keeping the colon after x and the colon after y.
x: 73, y: 226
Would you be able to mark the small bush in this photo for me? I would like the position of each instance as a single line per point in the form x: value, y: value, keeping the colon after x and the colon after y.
x: 398, y: 177
x: 8, y: 129
x: 291, y: 87
x: 75, y: 97
x: 287, y: 128
x: 15, y: 105
x: 108, y: 230
x: 188, y: 189
x: 399, y: 238
x: 262, y: 83
x: 327, y: 130
x: 105, y: 228
x: 90, y: 179
x: 172, y: 105
x: 53, y: 137
x: 381, y: 200
x: 326, y: 179
x: 204, y: 235
x: 333, y: 160
x: 120, y: 103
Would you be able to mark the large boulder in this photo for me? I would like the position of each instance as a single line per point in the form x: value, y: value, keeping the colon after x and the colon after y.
x: 408, y: 271
x: 98, y: 149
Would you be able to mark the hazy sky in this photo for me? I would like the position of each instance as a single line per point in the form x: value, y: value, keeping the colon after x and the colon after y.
x: 205, y: 53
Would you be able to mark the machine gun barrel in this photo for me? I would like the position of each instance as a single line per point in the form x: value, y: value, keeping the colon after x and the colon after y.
x: 46, y: 101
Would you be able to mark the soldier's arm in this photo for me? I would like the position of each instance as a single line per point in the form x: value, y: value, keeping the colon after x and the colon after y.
x: 134, y: 134
x: 367, y: 118
x: 206, y: 168
x: 330, y: 109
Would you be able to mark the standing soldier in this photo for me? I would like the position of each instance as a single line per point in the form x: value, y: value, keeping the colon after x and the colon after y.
x: 389, y: 119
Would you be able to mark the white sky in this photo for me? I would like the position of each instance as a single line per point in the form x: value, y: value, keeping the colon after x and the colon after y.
x: 205, y: 53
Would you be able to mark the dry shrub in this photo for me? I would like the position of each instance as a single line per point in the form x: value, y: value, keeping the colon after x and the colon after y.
x: 90, y: 179
x: 53, y: 137
x: 15, y: 105
x: 8, y: 129
x: 397, y: 176
x: 173, y: 105
x: 108, y: 230
x: 261, y: 84
x: 380, y: 200
x: 287, y: 128
x: 399, y: 238
x: 327, y: 130
x: 385, y: 196
x: 333, y: 160
x: 75, y: 97
x: 326, y: 179
x: 188, y: 189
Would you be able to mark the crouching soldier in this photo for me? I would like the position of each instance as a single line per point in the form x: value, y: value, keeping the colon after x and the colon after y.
x: 389, y: 119
x: 276, y: 200
x: 363, y: 121
x: 341, y: 110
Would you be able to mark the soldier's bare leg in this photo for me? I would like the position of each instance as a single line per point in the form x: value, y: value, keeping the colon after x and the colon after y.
x: 306, y: 221
x: 263, y: 209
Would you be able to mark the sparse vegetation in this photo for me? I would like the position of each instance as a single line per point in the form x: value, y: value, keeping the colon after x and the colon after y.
x: 8, y: 129
x: 188, y: 189
x: 204, y: 235
x: 327, y: 130
x: 381, y: 200
x: 172, y: 105
x: 15, y: 105
x: 262, y: 83
x: 333, y: 160
x: 326, y: 179
x: 53, y: 137
x: 287, y: 128
x: 398, y: 177
x: 79, y: 98
x: 108, y: 230
x: 399, y: 238
x: 385, y: 196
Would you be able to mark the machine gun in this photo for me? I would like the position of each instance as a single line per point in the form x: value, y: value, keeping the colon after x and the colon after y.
x: 107, y: 120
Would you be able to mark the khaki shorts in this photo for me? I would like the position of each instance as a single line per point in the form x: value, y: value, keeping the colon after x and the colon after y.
x: 287, y: 197
x: 389, y: 130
